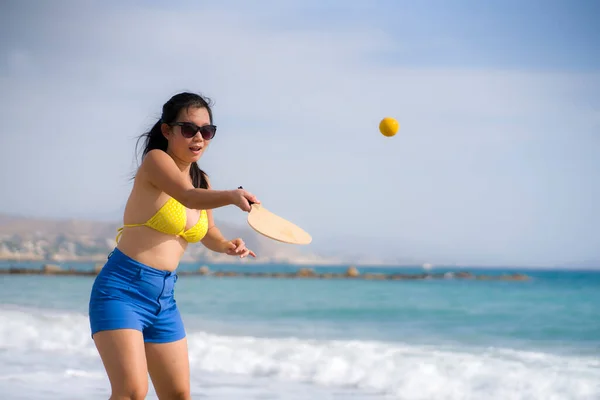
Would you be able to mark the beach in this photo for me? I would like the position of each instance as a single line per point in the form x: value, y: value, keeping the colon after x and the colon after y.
x: 443, y: 158
x: 259, y: 338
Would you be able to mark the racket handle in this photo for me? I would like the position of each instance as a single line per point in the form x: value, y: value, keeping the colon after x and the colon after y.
x: 250, y: 202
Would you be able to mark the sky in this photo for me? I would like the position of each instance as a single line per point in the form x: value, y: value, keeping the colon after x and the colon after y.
x: 496, y: 161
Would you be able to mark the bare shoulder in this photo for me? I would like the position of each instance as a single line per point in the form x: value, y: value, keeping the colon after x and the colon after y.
x: 157, y: 158
x: 154, y: 161
x: 160, y: 170
x: 157, y: 163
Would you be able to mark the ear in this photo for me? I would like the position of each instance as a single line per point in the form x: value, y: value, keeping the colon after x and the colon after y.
x: 166, y: 130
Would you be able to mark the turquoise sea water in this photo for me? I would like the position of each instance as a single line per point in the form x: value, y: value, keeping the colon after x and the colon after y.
x: 269, y: 338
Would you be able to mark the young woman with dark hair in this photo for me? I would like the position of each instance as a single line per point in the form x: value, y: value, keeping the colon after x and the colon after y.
x: 134, y: 319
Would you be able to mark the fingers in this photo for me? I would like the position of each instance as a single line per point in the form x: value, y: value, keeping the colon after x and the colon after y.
x: 247, y: 252
x: 245, y: 205
x: 239, y: 245
x: 231, y: 246
x: 239, y: 249
x: 242, y: 254
x: 248, y: 199
x: 251, y: 197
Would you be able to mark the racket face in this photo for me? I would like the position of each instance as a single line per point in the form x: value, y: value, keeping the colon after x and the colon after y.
x: 274, y: 227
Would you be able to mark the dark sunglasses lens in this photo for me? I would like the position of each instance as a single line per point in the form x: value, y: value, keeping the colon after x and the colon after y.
x: 208, y: 131
x: 188, y: 131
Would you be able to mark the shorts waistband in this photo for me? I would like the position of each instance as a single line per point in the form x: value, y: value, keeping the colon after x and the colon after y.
x: 126, y: 263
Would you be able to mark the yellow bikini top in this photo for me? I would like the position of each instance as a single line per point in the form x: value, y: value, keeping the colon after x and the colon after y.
x: 171, y: 220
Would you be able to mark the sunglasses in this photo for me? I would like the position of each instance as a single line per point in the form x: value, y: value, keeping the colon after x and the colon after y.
x: 189, y: 130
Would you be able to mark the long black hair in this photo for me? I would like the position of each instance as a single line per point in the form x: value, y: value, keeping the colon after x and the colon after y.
x: 154, y: 139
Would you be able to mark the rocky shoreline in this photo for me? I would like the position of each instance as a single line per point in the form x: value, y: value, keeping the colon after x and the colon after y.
x: 306, y: 273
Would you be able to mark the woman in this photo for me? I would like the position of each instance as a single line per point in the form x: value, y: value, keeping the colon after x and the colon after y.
x: 134, y: 319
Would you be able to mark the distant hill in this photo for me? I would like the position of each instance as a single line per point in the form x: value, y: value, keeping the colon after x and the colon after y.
x: 16, y: 225
x: 76, y: 239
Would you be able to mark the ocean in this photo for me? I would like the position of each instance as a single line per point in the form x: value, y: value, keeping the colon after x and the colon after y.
x: 266, y: 338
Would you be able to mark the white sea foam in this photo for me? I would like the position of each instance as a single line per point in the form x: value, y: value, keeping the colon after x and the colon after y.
x: 51, y: 354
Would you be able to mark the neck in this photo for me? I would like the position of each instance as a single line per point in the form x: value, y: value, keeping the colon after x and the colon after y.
x: 184, y: 166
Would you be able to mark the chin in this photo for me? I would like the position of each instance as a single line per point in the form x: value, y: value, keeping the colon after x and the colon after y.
x: 196, y: 158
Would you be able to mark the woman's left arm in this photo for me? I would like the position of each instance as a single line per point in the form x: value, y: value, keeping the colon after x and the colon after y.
x: 215, y: 241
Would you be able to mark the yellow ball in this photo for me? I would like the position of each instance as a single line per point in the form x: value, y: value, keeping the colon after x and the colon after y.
x: 388, y: 126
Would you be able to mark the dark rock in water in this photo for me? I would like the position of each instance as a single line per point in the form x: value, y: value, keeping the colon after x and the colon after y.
x: 306, y: 273
x: 204, y: 270
x: 463, y: 275
x: 515, y: 277
x: 51, y: 268
x: 16, y: 270
x: 377, y: 276
x: 352, y: 272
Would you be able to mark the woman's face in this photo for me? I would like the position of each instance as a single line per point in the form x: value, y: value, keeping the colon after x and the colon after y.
x: 182, y: 148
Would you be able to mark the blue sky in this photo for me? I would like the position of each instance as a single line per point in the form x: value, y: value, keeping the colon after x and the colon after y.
x: 496, y: 161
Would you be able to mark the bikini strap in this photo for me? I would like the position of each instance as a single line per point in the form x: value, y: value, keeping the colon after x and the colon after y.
x: 120, y: 230
x: 119, y: 233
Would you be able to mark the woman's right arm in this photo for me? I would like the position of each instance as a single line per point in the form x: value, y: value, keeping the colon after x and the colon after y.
x: 162, y: 172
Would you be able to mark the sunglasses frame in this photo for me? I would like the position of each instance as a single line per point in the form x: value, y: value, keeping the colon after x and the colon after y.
x: 196, y: 129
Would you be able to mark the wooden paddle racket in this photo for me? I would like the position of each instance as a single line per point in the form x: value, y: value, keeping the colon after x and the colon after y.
x: 274, y: 227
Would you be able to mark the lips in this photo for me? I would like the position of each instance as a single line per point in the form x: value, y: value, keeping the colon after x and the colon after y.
x: 196, y: 149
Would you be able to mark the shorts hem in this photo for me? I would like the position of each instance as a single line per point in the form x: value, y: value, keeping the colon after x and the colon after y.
x: 114, y: 328
x: 166, y: 339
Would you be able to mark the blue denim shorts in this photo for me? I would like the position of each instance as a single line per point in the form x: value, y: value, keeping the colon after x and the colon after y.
x: 129, y: 294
